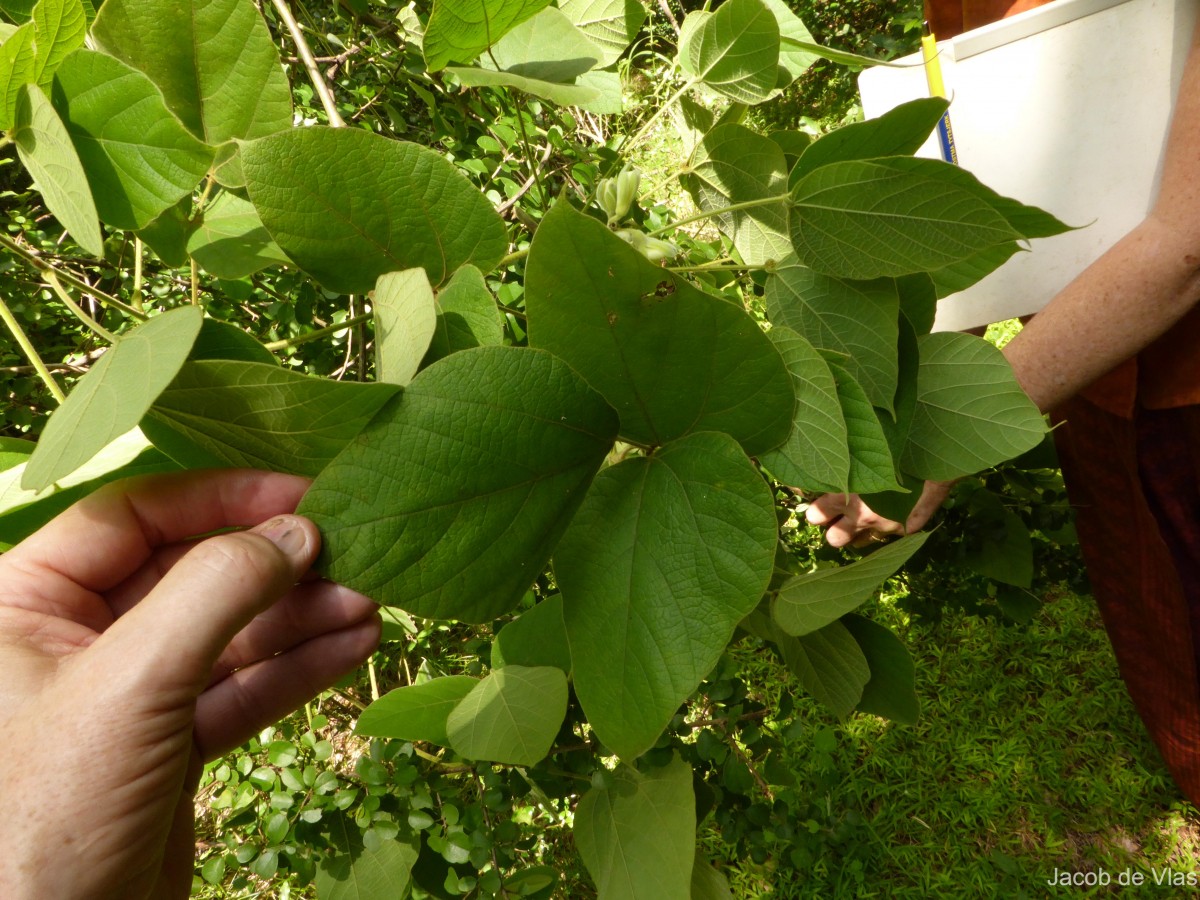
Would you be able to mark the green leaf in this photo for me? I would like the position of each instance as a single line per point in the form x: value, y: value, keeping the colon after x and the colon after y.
x: 214, y: 61
x: 1001, y: 549
x: 670, y: 358
x: 167, y: 235
x: 221, y: 340
x: 384, y: 872
x: 405, y: 320
x: 598, y: 92
x: 459, y: 30
x: 961, y: 275
x: 707, y: 882
x: 807, y: 603
x: 546, y: 46
x: 348, y: 205
x: 467, y: 316
x: 638, y: 836
x: 537, y: 638
x: 871, y: 465
x: 46, y: 151
x: 794, y: 60
x: 815, y: 455
x: 667, y: 554
x: 17, y: 67
x: 892, y: 690
x: 855, y: 319
x: 428, y: 509
x: 734, y: 51
x: 971, y: 413
x: 231, y: 413
x: 733, y: 164
x: 59, y: 27
x: 115, y: 393
x: 511, y: 716
x: 23, y: 512
x: 138, y: 158
x: 883, y: 218
x: 229, y: 240
x: 1027, y: 221
x: 898, y: 132
x: 830, y: 665
x: 14, y: 451
x: 611, y: 25
x: 20, y: 11
x: 918, y: 302
x: 417, y: 712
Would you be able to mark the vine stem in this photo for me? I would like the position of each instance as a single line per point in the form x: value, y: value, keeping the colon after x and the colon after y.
x: 320, y: 85
x: 513, y: 257
x: 319, y: 333
x: 136, y: 297
x: 31, y: 354
x: 34, y: 259
x: 733, y: 207
x: 69, y: 301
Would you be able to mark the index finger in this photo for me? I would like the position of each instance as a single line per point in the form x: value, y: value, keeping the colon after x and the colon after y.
x: 104, y: 538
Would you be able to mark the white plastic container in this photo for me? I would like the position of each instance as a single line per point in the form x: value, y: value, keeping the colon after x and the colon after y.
x: 1065, y: 107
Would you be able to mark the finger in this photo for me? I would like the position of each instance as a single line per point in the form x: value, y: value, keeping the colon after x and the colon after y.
x: 177, y: 633
x: 107, y: 536
x: 308, y: 611
x: 933, y: 495
x: 826, y: 508
x: 228, y: 713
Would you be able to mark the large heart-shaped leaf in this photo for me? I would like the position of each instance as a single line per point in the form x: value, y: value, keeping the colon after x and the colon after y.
x: 806, y: 603
x: 667, y: 554
x: 17, y: 67
x: 856, y: 319
x: 598, y: 92
x: 885, y: 218
x: 671, y: 359
x: 231, y: 413
x: 214, y: 61
x: 115, y: 393
x: 733, y: 164
x: 734, y: 51
x: 816, y: 455
x: 637, y: 836
x: 359, y: 873
x: 459, y: 30
x: 450, y: 502
x: 417, y: 712
x: 348, y: 205
x: 138, y: 158
x: 971, y: 413
x: 792, y: 59
x: 511, y: 716
x: 45, y: 148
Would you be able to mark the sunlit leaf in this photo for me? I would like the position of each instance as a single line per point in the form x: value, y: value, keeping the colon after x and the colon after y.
x: 459, y: 30
x: 405, y: 319
x: 733, y: 51
x: 417, y: 712
x: 511, y: 716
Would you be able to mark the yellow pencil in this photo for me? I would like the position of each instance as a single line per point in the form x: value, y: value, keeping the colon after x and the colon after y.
x: 937, y: 88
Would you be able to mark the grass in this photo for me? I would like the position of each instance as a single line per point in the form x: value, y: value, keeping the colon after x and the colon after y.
x: 1028, y: 758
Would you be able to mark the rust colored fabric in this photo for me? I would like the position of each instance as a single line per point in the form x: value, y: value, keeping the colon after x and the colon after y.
x: 950, y: 17
x: 1135, y: 486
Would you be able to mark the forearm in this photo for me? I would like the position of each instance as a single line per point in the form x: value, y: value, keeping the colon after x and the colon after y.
x: 1131, y: 295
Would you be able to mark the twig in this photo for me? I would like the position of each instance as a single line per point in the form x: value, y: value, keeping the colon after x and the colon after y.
x: 662, y: 4
x: 69, y: 301
x: 529, y: 182
x: 320, y: 85
x: 34, y: 259
x: 31, y: 354
x: 319, y: 333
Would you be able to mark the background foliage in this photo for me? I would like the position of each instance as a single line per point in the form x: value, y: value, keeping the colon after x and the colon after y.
x: 295, y: 809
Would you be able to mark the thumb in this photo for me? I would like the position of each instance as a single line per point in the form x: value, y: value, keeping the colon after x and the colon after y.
x: 182, y: 626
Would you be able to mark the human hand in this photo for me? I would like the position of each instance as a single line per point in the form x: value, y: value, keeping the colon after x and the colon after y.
x: 849, y: 521
x: 131, y: 655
